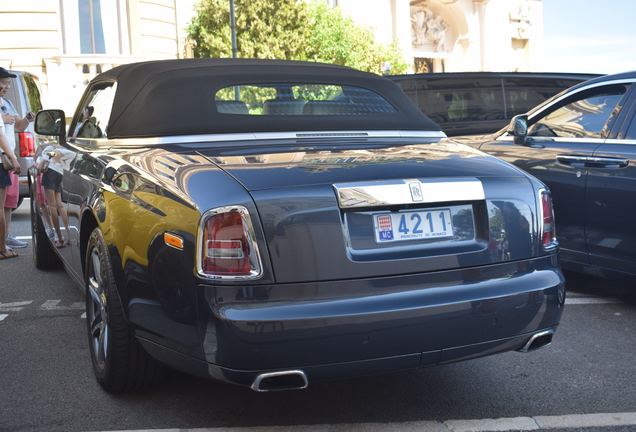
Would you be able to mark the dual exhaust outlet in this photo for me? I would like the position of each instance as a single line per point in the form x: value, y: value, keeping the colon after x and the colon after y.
x: 537, y: 340
x: 281, y: 380
x: 297, y: 380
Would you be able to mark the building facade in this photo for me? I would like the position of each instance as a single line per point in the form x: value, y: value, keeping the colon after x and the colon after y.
x: 456, y: 35
x: 67, y: 42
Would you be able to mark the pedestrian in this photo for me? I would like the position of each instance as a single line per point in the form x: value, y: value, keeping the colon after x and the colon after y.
x: 52, y: 162
x: 12, y: 122
x: 5, y: 180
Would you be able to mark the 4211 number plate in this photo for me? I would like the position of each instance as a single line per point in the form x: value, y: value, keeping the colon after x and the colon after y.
x: 415, y: 225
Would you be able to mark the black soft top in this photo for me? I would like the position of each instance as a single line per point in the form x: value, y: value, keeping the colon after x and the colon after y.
x: 176, y: 97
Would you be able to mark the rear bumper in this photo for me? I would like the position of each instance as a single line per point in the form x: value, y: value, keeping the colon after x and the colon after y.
x: 347, y: 328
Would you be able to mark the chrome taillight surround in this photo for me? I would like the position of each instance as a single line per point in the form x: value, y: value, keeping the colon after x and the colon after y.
x: 256, y: 265
x: 553, y: 243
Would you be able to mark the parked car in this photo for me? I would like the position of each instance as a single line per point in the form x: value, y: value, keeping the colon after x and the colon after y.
x: 478, y: 103
x: 24, y: 94
x: 582, y: 145
x: 273, y: 223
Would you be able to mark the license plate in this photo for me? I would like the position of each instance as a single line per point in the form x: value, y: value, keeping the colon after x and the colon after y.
x: 416, y: 225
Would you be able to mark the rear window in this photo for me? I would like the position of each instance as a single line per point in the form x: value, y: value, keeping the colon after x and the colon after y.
x: 523, y: 94
x: 452, y: 100
x: 300, y: 99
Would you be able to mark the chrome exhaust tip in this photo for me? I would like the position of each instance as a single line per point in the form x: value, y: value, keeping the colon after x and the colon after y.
x: 538, y: 340
x: 282, y: 380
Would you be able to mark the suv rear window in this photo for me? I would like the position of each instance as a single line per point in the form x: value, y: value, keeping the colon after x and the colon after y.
x: 300, y: 99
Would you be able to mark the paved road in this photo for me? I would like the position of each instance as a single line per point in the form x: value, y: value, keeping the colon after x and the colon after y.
x: 46, y: 381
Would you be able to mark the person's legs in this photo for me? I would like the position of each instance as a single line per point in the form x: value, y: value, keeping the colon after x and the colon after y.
x: 42, y: 205
x: 62, y: 211
x: 4, y: 251
x: 50, y: 198
x: 11, y: 203
x: 3, y: 227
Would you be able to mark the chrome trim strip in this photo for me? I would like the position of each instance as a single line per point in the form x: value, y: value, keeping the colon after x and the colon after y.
x: 408, y: 191
x: 256, y: 385
x: 185, y: 139
x: 620, y: 141
x: 540, y: 140
x: 534, y: 337
x: 255, y: 274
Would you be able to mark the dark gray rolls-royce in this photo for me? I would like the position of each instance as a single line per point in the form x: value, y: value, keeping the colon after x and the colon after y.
x: 272, y: 224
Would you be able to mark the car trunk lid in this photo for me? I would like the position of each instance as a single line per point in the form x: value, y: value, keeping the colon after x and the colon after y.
x: 337, y: 213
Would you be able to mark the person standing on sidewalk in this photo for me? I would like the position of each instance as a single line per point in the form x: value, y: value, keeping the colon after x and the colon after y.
x: 12, y: 122
x: 5, y: 181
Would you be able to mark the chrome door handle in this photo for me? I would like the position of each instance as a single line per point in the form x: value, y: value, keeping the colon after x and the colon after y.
x: 607, y: 162
x: 572, y: 160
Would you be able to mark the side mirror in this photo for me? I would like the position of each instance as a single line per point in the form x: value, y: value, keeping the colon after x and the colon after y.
x: 51, y: 122
x: 519, y: 128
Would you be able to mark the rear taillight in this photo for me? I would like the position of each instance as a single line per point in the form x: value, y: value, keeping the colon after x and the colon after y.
x: 228, y: 247
x: 27, y: 144
x: 548, y: 232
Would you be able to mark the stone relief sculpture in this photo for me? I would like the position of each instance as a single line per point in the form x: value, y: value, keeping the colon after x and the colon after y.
x: 427, y: 28
x: 520, y: 19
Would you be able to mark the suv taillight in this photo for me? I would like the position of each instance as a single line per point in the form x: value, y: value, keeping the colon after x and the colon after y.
x: 548, y: 232
x: 27, y: 144
x: 228, y: 247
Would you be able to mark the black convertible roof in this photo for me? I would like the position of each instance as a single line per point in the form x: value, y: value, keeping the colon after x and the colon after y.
x: 176, y: 97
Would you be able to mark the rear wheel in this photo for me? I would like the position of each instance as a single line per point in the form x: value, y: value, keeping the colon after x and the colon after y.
x: 44, y: 257
x: 120, y: 363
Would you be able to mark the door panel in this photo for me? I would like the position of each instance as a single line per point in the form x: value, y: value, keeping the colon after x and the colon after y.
x: 566, y: 181
x: 561, y: 142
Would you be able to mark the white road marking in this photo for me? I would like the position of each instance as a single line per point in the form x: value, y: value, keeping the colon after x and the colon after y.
x: 3, y: 316
x: 52, y: 305
x: 23, y: 237
x: 477, y: 425
x: 15, y: 306
x: 591, y: 300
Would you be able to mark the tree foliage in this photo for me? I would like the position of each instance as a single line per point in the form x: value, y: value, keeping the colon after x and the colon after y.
x: 289, y: 29
x: 264, y: 29
x: 335, y: 38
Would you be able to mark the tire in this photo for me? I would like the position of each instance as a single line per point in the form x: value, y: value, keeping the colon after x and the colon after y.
x: 44, y: 257
x: 120, y: 363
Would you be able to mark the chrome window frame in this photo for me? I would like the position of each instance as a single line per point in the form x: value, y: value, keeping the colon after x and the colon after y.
x: 548, y: 106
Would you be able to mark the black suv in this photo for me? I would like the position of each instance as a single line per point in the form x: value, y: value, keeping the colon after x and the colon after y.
x: 24, y: 94
x: 473, y: 103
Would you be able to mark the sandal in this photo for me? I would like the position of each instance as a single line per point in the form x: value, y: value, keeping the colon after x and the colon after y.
x: 60, y: 244
x: 7, y: 253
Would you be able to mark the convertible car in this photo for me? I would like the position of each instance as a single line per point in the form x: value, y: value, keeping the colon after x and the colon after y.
x: 273, y: 224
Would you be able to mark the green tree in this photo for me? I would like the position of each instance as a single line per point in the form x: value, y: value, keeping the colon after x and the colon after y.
x: 289, y: 29
x: 334, y: 38
x: 264, y: 29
